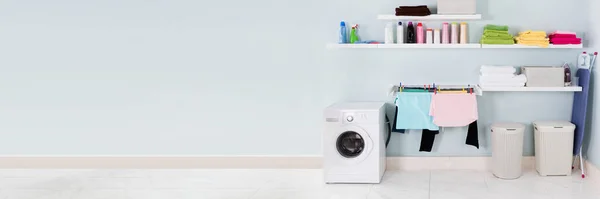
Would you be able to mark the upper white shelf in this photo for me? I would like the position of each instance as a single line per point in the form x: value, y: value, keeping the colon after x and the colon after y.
x: 352, y: 45
x: 429, y: 46
x: 472, y: 45
x: 533, y: 89
x: 434, y: 17
x: 525, y: 46
x: 404, y: 46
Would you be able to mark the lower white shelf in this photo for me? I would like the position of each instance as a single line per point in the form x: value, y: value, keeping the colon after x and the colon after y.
x: 525, y: 46
x: 532, y: 89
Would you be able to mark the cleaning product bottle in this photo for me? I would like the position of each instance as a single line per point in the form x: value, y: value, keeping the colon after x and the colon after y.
x: 400, y: 33
x: 454, y: 33
x: 584, y: 61
x: 343, y: 33
x: 463, y: 33
x: 429, y: 38
x: 410, y: 34
x: 354, y: 34
x: 445, y: 34
x: 436, y: 36
x: 420, y: 36
x: 389, y: 33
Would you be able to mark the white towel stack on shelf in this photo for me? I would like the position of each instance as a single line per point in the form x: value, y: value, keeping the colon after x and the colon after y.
x: 501, y: 76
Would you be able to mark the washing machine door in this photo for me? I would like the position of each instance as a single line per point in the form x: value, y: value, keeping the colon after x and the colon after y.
x: 353, y: 144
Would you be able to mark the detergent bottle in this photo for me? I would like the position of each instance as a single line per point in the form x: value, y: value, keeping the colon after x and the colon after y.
x: 410, y: 34
x: 343, y: 33
x: 354, y: 34
x: 420, y: 34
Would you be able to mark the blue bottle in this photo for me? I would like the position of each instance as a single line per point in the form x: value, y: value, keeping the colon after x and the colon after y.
x: 343, y: 33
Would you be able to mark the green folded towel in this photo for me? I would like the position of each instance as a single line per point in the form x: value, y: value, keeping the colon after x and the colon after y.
x: 496, y: 27
x: 495, y: 32
x: 497, y: 41
x: 497, y: 37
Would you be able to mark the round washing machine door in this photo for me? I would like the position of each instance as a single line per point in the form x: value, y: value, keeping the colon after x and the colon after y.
x: 353, y: 144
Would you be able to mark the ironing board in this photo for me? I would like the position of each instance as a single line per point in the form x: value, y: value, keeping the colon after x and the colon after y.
x: 578, y: 116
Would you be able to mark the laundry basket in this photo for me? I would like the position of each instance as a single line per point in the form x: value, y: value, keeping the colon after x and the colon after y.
x: 553, y: 147
x: 507, y: 150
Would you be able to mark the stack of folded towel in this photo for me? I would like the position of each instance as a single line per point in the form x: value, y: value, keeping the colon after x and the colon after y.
x: 501, y: 76
x: 564, y: 38
x: 493, y: 34
x: 533, y: 38
x: 413, y: 11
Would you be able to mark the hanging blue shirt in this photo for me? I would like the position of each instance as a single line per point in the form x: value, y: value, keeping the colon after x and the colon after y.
x: 413, y: 111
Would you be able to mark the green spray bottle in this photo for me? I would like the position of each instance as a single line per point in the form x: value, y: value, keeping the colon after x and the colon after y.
x: 353, y: 34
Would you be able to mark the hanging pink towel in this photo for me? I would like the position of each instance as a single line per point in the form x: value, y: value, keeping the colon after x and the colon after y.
x: 453, y: 109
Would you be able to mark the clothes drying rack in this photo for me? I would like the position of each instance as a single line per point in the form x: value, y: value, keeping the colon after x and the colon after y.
x: 394, y: 89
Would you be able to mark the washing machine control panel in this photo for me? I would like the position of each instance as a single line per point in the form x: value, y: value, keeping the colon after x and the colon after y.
x: 355, y: 117
x: 349, y: 118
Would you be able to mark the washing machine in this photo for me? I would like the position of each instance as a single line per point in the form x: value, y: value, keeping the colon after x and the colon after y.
x: 354, y: 142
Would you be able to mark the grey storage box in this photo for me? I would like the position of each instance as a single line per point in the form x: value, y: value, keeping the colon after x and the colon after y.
x: 456, y: 7
x: 544, y: 76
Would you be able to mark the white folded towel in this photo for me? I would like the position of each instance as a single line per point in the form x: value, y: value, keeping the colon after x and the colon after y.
x: 500, y: 79
x: 498, y: 70
x: 506, y: 75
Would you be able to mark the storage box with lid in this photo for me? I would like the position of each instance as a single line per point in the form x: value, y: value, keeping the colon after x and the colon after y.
x: 544, y: 76
x: 507, y: 150
x: 553, y: 147
x: 456, y: 7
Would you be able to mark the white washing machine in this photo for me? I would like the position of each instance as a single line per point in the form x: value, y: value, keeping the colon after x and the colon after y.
x: 354, y: 142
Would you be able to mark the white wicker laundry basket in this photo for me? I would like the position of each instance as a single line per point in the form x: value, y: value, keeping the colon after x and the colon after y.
x: 507, y: 150
x: 553, y: 147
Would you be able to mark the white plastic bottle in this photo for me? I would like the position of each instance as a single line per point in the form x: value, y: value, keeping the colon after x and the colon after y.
x: 389, y: 33
x: 429, y: 36
x: 436, y: 36
x: 454, y: 33
x: 400, y: 33
x: 463, y: 33
x: 584, y: 61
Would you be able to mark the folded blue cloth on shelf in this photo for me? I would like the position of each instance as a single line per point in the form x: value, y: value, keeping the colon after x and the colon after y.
x: 413, y: 111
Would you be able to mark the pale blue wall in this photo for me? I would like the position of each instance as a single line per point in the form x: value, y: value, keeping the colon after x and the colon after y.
x: 235, y: 77
x: 592, y: 138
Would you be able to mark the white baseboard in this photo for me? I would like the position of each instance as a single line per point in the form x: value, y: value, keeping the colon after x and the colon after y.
x: 161, y: 162
x: 592, y: 171
x: 448, y: 163
x: 251, y: 162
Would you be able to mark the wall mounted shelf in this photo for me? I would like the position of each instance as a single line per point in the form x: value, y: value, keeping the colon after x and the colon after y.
x: 531, y: 89
x: 403, y: 46
x: 534, y: 47
x: 441, y: 46
x: 434, y: 17
x: 352, y: 45
x: 428, y: 46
